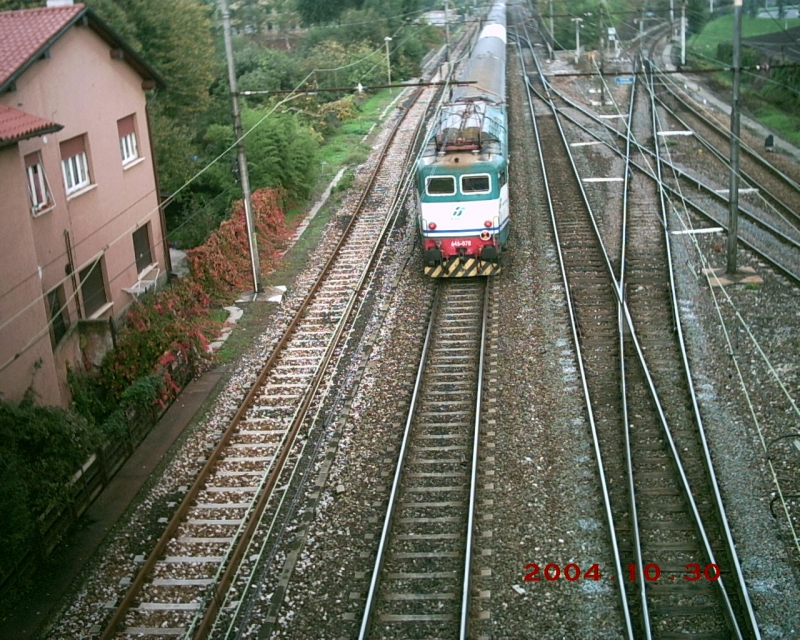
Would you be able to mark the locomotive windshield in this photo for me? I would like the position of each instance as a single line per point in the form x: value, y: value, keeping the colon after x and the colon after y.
x: 476, y: 184
x: 441, y: 186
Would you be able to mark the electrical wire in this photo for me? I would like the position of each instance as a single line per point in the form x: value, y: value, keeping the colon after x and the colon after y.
x: 46, y: 328
x: 685, y: 221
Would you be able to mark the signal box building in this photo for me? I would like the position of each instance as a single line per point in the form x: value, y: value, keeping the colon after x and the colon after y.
x: 82, y: 233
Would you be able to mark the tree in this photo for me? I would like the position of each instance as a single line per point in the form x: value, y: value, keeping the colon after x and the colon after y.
x: 697, y: 14
x: 115, y: 16
x: 176, y: 39
x: 280, y: 153
x: 316, y: 12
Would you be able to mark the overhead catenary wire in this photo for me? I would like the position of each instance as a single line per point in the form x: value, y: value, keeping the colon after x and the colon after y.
x: 124, y: 235
x: 173, y: 196
x: 685, y: 221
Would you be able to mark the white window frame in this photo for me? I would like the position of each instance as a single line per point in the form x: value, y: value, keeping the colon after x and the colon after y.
x: 76, y: 172
x: 129, y: 148
x: 429, y: 179
x: 476, y: 192
x: 36, y: 175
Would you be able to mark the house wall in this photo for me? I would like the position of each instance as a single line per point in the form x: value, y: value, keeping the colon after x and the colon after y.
x: 82, y: 88
x: 26, y: 358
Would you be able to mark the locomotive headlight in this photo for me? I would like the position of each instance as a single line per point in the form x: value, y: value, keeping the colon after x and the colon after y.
x: 431, y: 225
x: 485, y: 235
x: 487, y: 224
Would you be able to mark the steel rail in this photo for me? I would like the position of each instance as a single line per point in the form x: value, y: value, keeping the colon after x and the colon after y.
x: 770, y: 198
x: 749, y: 150
x: 372, y: 592
x: 702, y: 186
x: 473, y: 485
x: 373, y: 585
x: 376, y: 255
x: 788, y: 273
x: 221, y: 446
x: 635, y: 533
x: 378, y: 250
x: 730, y: 546
x: 684, y: 481
x: 302, y: 411
x: 629, y: 632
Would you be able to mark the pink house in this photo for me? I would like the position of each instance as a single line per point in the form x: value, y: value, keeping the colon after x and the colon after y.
x: 82, y: 231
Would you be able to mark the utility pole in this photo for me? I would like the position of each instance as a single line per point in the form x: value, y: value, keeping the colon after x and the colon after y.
x: 387, y: 40
x: 641, y: 23
x: 447, y: 36
x: 733, y: 216
x: 683, y: 34
x: 602, y: 51
x: 237, y: 132
x: 577, y: 22
x: 672, y: 19
x: 552, y: 34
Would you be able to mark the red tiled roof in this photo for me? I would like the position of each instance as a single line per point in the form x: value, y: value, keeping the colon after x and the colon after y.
x: 23, y: 33
x: 17, y: 125
x: 27, y: 34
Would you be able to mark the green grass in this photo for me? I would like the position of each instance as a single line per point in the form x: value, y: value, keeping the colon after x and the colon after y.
x: 788, y: 125
x: 758, y: 96
x: 344, y: 148
x: 721, y: 30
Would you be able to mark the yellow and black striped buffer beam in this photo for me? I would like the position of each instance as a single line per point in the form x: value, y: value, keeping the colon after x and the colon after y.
x: 468, y: 268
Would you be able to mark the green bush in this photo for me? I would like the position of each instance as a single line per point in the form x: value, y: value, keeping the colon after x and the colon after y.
x: 40, y: 450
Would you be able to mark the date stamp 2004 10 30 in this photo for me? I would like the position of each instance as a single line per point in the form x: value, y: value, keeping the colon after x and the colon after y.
x: 651, y: 572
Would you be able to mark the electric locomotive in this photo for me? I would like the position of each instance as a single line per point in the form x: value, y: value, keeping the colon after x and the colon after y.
x: 462, y: 174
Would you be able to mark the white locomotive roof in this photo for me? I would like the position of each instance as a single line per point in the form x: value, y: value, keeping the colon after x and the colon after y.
x: 494, y: 31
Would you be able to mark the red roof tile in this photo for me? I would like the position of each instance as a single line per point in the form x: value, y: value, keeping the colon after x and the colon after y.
x: 24, y: 32
x: 17, y: 125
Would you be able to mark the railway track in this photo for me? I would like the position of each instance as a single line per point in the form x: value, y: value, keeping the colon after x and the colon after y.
x: 664, y: 512
x: 182, y: 584
x: 773, y: 246
x: 764, y: 186
x: 420, y: 585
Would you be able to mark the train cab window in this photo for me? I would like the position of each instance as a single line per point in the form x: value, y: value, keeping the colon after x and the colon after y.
x: 476, y: 184
x: 502, y: 178
x: 441, y: 186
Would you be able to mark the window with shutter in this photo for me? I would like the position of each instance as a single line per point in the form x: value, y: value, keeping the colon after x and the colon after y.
x: 93, y: 288
x: 128, y: 146
x: 38, y: 187
x: 75, y: 164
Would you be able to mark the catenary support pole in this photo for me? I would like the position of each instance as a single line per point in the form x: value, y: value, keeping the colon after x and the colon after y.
x: 672, y: 19
x: 683, y: 33
x: 577, y: 22
x: 237, y: 131
x: 387, y: 40
x: 733, y: 221
x: 447, y: 36
x: 602, y: 51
